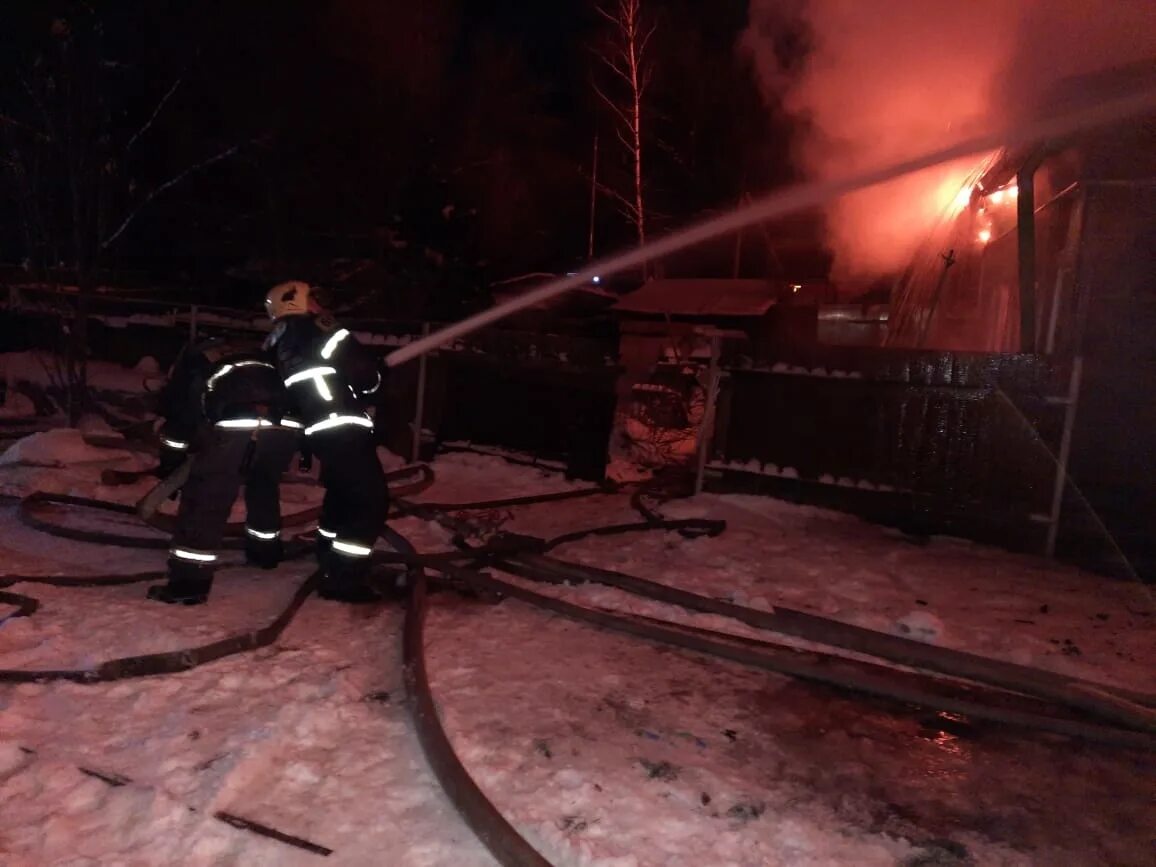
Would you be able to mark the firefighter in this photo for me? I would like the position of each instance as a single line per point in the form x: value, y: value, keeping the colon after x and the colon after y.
x: 330, y: 378
x: 225, y: 409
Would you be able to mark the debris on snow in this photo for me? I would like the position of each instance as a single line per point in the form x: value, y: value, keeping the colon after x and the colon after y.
x: 309, y: 737
x: 920, y: 625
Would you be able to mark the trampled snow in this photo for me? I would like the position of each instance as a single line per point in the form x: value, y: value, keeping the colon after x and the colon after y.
x: 602, y: 749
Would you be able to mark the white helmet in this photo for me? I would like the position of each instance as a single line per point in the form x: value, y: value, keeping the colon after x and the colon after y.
x: 288, y: 299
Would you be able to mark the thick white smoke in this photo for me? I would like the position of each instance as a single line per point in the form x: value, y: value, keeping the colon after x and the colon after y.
x: 886, y: 79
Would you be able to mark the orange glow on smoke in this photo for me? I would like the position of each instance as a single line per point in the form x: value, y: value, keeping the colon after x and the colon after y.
x: 962, y: 198
x: 962, y: 68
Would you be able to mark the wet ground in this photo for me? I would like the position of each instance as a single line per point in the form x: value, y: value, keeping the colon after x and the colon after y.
x: 934, y: 777
x: 752, y: 754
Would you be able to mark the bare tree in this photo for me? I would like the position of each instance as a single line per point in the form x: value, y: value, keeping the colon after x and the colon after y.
x: 626, y: 57
x: 72, y: 165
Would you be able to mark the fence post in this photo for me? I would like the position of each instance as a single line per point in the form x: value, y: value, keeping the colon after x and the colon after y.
x: 706, y: 429
x: 419, y: 410
x: 1026, y: 240
x: 1061, y: 480
x: 193, y: 324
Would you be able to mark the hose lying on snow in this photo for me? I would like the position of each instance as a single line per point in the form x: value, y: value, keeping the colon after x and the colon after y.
x: 922, y: 688
x: 30, y: 513
x: 25, y: 606
x: 1125, y: 707
x: 1121, y: 706
x: 525, y: 557
x: 34, y: 508
x: 170, y: 662
x: 512, y: 850
x: 403, y: 508
x: 484, y: 819
x: 524, y: 554
x: 875, y: 680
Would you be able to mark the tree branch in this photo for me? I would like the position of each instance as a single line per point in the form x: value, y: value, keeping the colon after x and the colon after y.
x: 646, y: 41
x: 171, y: 182
x: 156, y: 111
x: 39, y: 103
x: 612, y: 193
x: 609, y: 16
x: 618, y: 70
x: 612, y: 104
x: 629, y: 213
x: 11, y: 121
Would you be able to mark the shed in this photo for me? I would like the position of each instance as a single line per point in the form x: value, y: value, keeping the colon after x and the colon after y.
x: 768, y: 312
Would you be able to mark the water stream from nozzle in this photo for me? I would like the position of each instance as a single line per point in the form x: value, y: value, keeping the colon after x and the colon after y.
x: 791, y: 200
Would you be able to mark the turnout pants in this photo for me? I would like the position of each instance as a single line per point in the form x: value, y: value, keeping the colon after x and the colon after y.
x: 220, y: 466
x: 355, y: 505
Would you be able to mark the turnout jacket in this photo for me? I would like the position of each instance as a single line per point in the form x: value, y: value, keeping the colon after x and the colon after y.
x: 221, y: 384
x: 329, y: 375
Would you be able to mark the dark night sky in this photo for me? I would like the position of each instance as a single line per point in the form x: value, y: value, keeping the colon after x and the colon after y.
x: 357, y: 122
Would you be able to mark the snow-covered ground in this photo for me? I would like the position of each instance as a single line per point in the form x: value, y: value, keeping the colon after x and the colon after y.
x: 603, y: 750
x: 45, y: 369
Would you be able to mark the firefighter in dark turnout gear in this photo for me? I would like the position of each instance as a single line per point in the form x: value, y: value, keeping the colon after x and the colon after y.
x: 330, y: 377
x: 225, y: 407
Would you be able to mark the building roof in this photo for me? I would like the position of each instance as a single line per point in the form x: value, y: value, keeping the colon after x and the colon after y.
x: 710, y: 297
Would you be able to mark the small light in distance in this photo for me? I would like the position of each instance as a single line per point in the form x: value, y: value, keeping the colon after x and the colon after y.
x: 984, y: 235
x: 597, y: 279
x: 795, y: 287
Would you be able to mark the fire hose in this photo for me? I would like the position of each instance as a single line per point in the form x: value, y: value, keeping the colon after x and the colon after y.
x: 910, y: 688
x: 526, y: 556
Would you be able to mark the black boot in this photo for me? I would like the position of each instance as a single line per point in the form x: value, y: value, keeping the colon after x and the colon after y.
x: 189, y: 584
x: 322, y: 548
x: 344, y: 579
x: 349, y: 592
x: 179, y: 594
x: 262, y: 553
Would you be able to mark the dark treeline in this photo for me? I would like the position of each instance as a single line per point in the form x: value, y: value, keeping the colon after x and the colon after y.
x: 444, y: 144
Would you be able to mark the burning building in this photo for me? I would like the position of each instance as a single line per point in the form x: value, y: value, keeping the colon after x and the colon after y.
x: 1031, y: 249
x: 1016, y: 384
x: 1053, y: 254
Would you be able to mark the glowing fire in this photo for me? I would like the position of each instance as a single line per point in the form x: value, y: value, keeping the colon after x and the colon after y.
x: 963, y: 198
x: 959, y: 186
x: 1011, y: 193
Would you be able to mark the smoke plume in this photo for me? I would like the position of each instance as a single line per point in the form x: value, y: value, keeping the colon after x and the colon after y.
x: 886, y: 79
